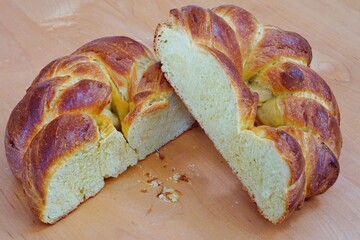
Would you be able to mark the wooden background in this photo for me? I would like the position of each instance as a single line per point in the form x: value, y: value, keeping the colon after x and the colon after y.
x: 212, y: 205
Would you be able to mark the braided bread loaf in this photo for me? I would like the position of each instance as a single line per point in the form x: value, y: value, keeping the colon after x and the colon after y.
x: 88, y: 116
x: 273, y: 119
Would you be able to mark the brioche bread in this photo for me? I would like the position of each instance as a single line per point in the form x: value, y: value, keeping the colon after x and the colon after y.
x: 250, y: 87
x: 88, y: 116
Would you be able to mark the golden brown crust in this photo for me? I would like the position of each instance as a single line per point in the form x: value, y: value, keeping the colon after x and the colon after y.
x: 118, y: 55
x: 322, y: 167
x: 74, y: 66
x: 63, y: 136
x: 312, y: 116
x: 244, y: 23
x: 262, y: 45
x: 26, y: 120
x: 274, y: 45
x: 114, y: 50
x: 304, y: 113
x: 97, y: 74
x: 295, y: 79
x: 86, y: 96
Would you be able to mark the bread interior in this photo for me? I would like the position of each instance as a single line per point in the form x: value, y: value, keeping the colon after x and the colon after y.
x: 152, y: 130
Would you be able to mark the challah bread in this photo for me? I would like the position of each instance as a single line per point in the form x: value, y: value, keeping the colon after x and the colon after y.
x: 235, y: 74
x: 89, y: 116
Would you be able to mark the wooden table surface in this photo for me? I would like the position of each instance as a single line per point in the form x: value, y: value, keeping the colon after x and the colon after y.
x: 212, y: 205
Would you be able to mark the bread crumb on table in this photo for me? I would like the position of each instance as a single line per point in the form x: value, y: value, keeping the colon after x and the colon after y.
x: 154, y: 182
x: 192, y: 167
x: 169, y: 195
x: 176, y: 177
x: 180, y: 177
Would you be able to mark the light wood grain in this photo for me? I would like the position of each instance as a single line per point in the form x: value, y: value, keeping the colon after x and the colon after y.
x: 212, y: 205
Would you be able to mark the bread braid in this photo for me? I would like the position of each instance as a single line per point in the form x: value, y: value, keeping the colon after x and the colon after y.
x: 277, y: 96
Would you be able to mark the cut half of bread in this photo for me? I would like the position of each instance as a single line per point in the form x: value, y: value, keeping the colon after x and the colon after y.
x: 263, y: 160
x: 229, y: 70
x: 89, y: 116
